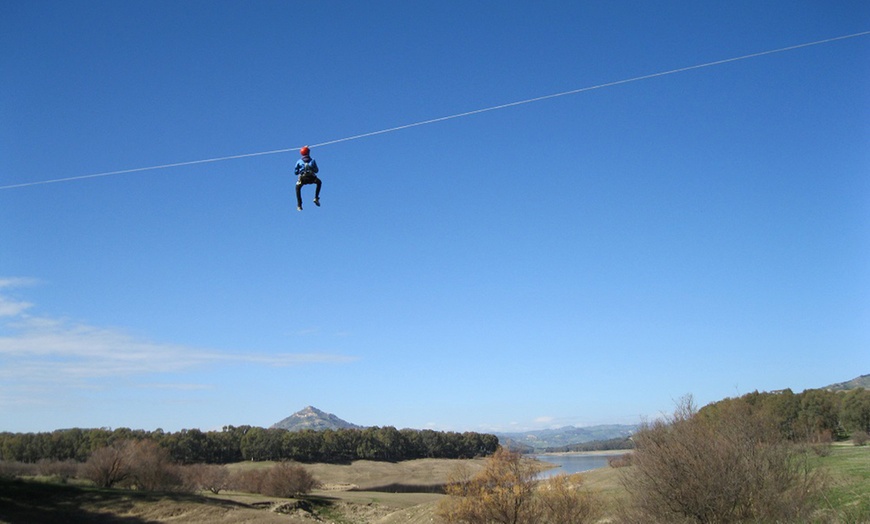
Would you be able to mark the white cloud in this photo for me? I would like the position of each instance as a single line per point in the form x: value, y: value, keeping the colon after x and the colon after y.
x: 177, y: 387
x: 55, y: 351
x: 10, y: 307
x: 18, y: 282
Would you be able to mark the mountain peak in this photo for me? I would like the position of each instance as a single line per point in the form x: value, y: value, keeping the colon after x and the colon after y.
x: 312, y: 418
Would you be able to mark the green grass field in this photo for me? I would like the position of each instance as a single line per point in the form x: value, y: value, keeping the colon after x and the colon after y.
x: 848, y: 475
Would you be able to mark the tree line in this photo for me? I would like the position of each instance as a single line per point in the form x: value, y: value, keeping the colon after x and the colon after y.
x: 808, y: 416
x: 812, y: 415
x: 242, y: 443
x: 613, y: 444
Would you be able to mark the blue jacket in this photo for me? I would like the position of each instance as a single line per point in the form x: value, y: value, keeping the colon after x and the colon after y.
x: 306, y: 166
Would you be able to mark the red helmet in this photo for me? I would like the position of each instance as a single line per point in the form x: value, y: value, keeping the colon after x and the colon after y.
x: 304, y: 151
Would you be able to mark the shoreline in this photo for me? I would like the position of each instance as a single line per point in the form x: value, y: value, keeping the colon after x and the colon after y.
x: 614, y: 452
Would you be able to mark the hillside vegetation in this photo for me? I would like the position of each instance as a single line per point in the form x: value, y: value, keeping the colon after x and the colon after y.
x: 860, y: 382
x: 814, y: 415
x: 846, y: 466
x: 762, y: 457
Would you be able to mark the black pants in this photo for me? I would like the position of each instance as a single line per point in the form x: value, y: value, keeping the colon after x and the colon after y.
x: 304, y: 180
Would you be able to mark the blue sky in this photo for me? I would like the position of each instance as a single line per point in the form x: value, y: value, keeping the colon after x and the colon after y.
x: 580, y: 260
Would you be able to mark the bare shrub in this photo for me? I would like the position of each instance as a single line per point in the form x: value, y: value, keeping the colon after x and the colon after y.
x: 10, y: 469
x: 620, y: 461
x: 140, y: 465
x: 505, y: 492
x: 109, y: 465
x: 860, y: 438
x: 501, y: 493
x: 62, y: 470
x: 151, y: 468
x: 563, y: 500
x: 458, y: 506
x: 248, y: 481
x: 287, y: 479
x: 211, y: 477
x: 728, y: 467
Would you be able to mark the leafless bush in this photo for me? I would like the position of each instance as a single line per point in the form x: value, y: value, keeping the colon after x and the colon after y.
x: 860, y: 438
x: 248, y: 481
x: 211, y: 477
x: 563, y: 500
x: 501, y: 493
x: 620, y: 461
x: 151, y: 468
x: 141, y: 465
x: 109, y: 465
x: 287, y: 479
x: 10, y: 469
x: 59, y: 469
x: 507, y: 492
x: 730, y: 467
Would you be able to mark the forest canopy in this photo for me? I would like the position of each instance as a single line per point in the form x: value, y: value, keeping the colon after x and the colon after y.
x: 234, y: 444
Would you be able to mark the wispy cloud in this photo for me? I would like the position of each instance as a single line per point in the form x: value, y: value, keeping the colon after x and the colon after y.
x: 10, y: 282
x: 10, y: 307
x: 45, y: 350
x: 175, y: 387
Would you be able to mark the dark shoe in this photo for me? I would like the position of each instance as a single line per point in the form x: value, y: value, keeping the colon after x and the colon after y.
x: 317, y: 202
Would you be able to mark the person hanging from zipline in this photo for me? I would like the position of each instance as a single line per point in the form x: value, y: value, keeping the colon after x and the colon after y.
x: 306, y: 170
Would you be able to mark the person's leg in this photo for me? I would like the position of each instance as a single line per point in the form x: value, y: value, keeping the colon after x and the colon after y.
x: 317, y: 192
x: 299, y: 195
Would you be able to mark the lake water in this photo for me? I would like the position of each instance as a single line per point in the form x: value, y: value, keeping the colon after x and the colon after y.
x: 569, y: 463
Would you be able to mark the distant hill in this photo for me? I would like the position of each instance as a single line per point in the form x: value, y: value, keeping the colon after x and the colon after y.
x: 313, y: 418
x: 564, y: 436
x: 861, y: 382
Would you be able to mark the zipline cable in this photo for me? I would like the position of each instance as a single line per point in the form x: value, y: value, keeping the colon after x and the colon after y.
x: 449, y: 117
x: 591, y: 88
x: 150, y: 168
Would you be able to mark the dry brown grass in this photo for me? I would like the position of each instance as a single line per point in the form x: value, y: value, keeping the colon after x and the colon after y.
x: 366, y: 475
x: 359, y: 493
x: 40, y: 502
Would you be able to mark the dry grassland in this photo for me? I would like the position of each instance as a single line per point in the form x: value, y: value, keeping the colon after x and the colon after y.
x: 360, y: 493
